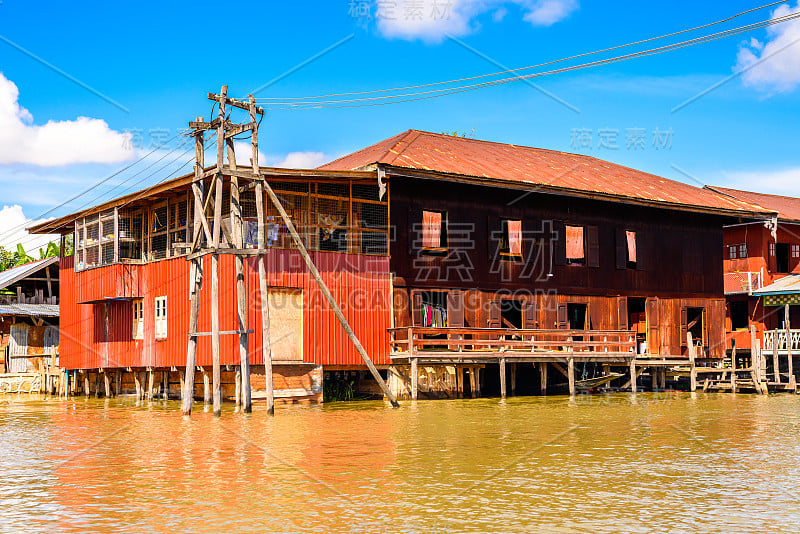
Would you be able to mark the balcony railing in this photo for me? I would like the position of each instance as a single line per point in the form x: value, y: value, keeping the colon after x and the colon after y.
x: 473, y: 343
x: 742, y: 282
x: 769, y: 341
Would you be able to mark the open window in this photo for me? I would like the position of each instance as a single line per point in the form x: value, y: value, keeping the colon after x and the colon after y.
x: 740, y: 317
x: 438, y: 309
x: 576, y: 246
x: 693, y: 320
x: 434, y: 232
x: 137, y: 313
x: 577, y: 316
x: 782, y: 258
x: 511, y: 238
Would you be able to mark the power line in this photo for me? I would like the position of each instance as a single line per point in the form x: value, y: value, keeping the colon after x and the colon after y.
x: 728, y: 19
x: 392, y: 99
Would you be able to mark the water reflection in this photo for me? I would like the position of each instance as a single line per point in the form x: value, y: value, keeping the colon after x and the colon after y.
x: 603, y: 463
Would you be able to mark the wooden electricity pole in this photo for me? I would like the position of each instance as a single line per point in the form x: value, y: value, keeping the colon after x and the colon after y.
x: 226, y: 130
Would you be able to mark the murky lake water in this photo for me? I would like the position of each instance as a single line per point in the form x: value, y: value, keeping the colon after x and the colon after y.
x: 643, y: 463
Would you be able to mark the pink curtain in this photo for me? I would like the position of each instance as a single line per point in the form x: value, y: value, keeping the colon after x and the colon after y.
x: 631, y: 237
x: 514, y: 237
x: 431, y: 229
x: 575, y: 243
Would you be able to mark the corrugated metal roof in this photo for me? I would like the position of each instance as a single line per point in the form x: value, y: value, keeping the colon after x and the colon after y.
x: 549, y: 169
x: 788, y: 285
x: 10, y: 276
x: 34, y: 310
x: 788, y: 208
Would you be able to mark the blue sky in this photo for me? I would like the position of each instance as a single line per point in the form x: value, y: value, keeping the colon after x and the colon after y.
x: 140, y: 71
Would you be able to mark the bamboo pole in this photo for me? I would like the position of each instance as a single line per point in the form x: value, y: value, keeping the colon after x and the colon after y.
x: 328, y: 296
x: 195, y: 272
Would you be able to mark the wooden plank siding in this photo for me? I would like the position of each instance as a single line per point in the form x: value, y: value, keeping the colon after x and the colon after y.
x: 678, y: 259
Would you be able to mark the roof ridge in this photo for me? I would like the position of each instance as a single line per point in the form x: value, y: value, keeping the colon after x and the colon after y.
x: 408, y: 133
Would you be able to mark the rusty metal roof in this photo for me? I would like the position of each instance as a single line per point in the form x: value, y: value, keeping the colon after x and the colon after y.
x: 788, y: 208
x: 20, y: 272
x: 548, y: 170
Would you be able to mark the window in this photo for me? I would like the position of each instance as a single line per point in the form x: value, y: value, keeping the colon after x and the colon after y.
x: 161, y: 317
x: 511, y: 240
x: 795, y: 251
x: 782, y: 258
x: 434, y: 230
x: 739, y: 315
x: 576, y: 249
x: 577, y: 316
x: 138, y: 319
x: 630, y: 240
x: 737, y: 251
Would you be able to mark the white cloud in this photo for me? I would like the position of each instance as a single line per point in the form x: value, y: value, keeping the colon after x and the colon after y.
x: 13, y: 224
x: 243, y: 150
x: 773, y: 65
x: 303, y: 160
x: 432, y: 20
x: 84, y: 140
x: 777, y: 182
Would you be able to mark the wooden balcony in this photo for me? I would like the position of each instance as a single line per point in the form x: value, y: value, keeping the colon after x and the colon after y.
x: 483, y: 345
x: 777, y: 338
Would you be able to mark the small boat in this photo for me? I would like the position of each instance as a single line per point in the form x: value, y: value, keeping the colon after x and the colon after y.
x: 597, y: 381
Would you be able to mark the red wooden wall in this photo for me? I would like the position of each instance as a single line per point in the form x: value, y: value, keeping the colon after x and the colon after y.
x: 361, y: 285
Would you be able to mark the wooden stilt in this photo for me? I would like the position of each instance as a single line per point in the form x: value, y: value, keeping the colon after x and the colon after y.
x: 150, y: 384
x: 118, y: 383
x: 543, y: 378
x: 459, y: 382
x: 775, y: 361
x: 733, y: 370
x: 414, y: 379
x: 692, y: 362
x: 206, y: 388
x: 107, y: 384
x: 238, y: 384
x: 182, y: 383
x: 137, y: 384
x: 474, y: 382
x: 165, y: 384
x: 571, y: 376
x: 790, y: 363
x: 503, y: 378
x: 633, y: 375
x: 513, y: 368
x: 87, y: 390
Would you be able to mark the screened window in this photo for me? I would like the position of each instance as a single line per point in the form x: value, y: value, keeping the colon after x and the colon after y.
x: 161, y: 317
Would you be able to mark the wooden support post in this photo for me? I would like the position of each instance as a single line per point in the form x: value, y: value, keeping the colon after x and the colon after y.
x: 138, y: 384
x: 459, y: 382
x: 216, y: 230
x: 199, y: 224
x: 503, y: 378
x: 633, y: 375
x: 238, y: 384
x: 87, y: 390
x: 150, y: 383
x: 571, y: 376
x: 474, y: 382
x: 328, y: 296
x: 692, y: 362
x: 181, y: 375
x: 165, y: 384
x: 206, y: 388
x: 107, y: 384
x: 414, y: 379
x: 118, y: 383
x: 733, y: 370
x: 513, y: 379
x: 775, y: 363
x: 543, y: 378
x: 787, y: 325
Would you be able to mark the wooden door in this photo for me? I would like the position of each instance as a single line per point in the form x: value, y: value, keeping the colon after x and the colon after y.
x: 18, y: 348
x: 286, y: 324
x: 651, y: 311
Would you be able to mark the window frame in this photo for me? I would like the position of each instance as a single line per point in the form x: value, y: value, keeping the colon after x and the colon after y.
x: 505, y: 240
x: 576, y: 262
x: 443, y: 228
x: 137, y: 316
x: 160, y: 313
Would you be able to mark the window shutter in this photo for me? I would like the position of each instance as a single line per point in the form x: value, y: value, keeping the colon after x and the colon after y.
x: 651, y: 308
x: 494, y: 314
x: 559, y: 242
x: 592, y: 246
x: 643, y: 250
x: 563, y: 319
x: 684, y: 326
x: 621, y: 250
x: 455, y: 308
x: 416, y: 308
x: 529, y: 321
x: 622, y: 313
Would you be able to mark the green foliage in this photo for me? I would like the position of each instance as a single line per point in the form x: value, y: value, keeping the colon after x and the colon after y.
x: 456, y: 133
x: 9, y: 259
x: 338, y: 390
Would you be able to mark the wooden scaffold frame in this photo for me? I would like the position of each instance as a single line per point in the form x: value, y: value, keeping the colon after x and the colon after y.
x: 206, y: 240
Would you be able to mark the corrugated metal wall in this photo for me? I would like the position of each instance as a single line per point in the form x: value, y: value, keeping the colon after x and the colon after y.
x: 361, y: 285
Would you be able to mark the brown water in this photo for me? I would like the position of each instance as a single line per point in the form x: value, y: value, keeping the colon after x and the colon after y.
x: 635, y: 463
